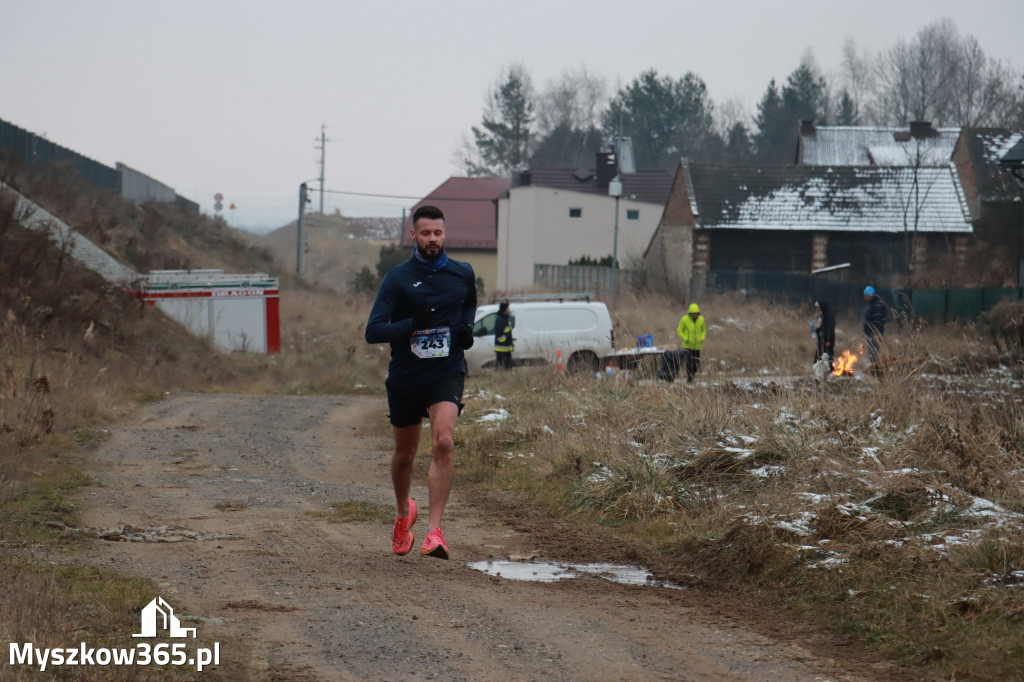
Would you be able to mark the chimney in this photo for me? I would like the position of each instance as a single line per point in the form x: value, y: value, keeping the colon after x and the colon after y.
x: 920, y: 130
x: 807, y: 128
x: 607, y: 168
x: 521, y: 178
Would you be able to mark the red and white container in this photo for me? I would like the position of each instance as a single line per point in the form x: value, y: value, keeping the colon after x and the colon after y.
x: 239, y: 313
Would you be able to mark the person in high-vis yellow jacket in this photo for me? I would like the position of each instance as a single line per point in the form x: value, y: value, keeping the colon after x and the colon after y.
x: 692, y: 332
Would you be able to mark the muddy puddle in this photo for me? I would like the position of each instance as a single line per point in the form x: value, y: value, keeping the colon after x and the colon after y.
x: 545, y: 572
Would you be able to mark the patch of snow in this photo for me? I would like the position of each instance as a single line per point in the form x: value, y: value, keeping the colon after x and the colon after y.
x: 872, y: 454
x: 604, y: 474
x: 768, y: 471
x: 741, y: 453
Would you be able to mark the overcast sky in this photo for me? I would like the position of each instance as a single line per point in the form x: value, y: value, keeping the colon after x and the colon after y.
x: 216, y: 96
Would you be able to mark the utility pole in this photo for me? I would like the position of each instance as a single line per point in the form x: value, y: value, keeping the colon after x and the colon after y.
x: 624, y: 165
x: 323, y: 155
x: 300, y: 246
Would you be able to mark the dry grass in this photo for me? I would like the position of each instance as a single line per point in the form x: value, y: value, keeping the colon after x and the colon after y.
x: 889, y: 506
x: 61, y: 606
x: 76, y: 353
x: 885, y: 506
x: 322, y: 348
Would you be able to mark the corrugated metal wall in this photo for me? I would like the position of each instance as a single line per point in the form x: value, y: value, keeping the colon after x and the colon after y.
x: 595, y: 280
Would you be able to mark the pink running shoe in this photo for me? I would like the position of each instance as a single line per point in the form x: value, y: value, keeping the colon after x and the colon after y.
x: 402, y: 539
x: 434, y: 544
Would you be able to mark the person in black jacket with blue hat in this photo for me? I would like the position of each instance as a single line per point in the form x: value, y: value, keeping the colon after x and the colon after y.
x: 874, y: 322
x: 425, y: 309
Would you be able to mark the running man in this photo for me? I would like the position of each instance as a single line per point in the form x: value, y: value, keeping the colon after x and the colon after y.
x: 424, y: 309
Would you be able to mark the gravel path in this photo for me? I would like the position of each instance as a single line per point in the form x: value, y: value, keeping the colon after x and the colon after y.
x: 293, y: 596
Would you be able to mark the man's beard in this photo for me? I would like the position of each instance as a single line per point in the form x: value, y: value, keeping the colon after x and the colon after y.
x: 430, y: 256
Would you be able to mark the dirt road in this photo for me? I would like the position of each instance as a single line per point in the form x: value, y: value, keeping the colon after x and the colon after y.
x: 296, y: 597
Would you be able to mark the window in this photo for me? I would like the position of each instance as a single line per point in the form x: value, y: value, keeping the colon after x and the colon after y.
x: 575, y: 212
x: 633, y: 214
x: 485, y: 325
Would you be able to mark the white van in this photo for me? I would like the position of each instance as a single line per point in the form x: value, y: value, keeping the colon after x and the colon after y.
x: 581, y: 329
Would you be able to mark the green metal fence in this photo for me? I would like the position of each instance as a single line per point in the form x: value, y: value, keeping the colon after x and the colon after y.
x: 956, y: 304
x: 801, y: 289
x: 35, y: 150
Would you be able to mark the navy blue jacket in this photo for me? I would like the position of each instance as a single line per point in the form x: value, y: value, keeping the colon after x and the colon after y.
x: 874, y: 320
x: 450, y: 291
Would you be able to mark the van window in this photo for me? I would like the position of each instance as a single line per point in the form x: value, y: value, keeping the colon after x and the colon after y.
x: 559, y: 319
x: 485, y: 325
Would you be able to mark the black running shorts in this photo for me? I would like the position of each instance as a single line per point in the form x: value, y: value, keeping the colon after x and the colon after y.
x: 408, y: 405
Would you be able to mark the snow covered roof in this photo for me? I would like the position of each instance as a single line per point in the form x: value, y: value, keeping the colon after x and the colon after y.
x: 840, y: 199
x: 876, y: 146
x: 998, y: 143
x: 986, y: 148
x: 1015, y: 154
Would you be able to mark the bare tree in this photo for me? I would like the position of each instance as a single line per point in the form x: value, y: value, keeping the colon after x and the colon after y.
x: 913, y: 195
x: 574, y: 99
x: 915, y: 78
x: 728, y: 112
x: 856, y: 74
x: 466, y: 158
x: 568, y: 120
x: 940, y: 78
x: 983, y: 88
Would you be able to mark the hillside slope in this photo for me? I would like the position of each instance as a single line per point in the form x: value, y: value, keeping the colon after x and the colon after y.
x: 337, y: 247
x: 151, y: 236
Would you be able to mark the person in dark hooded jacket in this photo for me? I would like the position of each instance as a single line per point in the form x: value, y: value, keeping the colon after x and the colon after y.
x: 874, y: 322
x: 825, y: 331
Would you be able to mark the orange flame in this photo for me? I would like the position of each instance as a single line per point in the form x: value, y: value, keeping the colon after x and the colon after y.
x: 844, y: 364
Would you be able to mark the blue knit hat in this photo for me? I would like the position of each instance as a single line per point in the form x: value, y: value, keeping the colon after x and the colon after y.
x: 869, y: 291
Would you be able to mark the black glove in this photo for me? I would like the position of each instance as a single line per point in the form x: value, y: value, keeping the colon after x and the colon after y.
x: 423, y: 318
x: 464, y: 338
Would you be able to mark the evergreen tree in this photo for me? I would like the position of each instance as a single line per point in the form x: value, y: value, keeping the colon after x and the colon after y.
x: 738, y: 146
x: 770, y: 122
x: 846, y: 114
x: 390, y: 256
x: 803, y: 97
x: 364, y: 283
x: 665, y: 118
x: 567, y: 147
x: 505, y: 135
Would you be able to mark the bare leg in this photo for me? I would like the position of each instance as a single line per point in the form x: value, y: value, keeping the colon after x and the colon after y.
x: 407, y: 440
x: 442, y: 467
